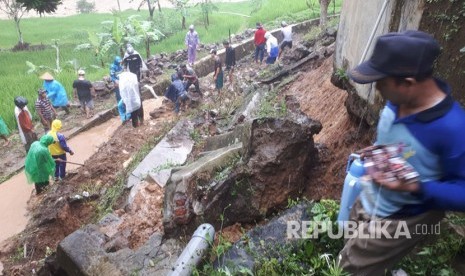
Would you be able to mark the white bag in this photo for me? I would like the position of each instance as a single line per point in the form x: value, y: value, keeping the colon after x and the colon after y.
x: 129, y: 91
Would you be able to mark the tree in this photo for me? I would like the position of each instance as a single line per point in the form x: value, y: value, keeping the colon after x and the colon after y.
x: 207, y: 7
x: 82, y: 6
x: 151, y: 6
x: 144, y: 31
x: 324, y: 12
x: 181, y: 6
x: 15, y: 11
x: 257, y: 5
x: 118, y: 33
x: 40, y: 6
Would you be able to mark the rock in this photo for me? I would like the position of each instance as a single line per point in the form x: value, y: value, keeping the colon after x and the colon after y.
x: 332, y: 31
x: 151, y: 188
x: 99, y: 86
x: 172, y: 66
x: 1, y: 269
x: 78, y: 252
x: 274, y: 153
x: 158, y: 71
x: 261, y: 242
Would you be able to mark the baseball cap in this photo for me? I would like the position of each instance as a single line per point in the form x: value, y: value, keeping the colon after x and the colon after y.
x: 191, y: 27
x: 81, y: 72
x: 405, y: 54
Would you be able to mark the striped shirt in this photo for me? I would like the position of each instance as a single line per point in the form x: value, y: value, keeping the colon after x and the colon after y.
x: 44, y: 107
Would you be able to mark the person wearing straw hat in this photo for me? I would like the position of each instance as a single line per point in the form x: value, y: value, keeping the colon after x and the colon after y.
x: 83, y: 90
x: 421, y: 116
x: 56, y: 93
x: 45, y: 109
x: 192, y: 41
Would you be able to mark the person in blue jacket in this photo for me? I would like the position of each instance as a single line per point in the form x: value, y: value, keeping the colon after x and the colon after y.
x: 176, y: 92
x: 115, y: 70
x: 56, y: 93
x: 420, y: 114
x: 122, y: 112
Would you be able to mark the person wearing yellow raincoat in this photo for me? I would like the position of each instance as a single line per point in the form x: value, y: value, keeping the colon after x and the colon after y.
x: 39, y: 165
x: 58, y: 150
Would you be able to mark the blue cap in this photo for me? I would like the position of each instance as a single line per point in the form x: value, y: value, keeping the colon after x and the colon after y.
x: 405, y: 54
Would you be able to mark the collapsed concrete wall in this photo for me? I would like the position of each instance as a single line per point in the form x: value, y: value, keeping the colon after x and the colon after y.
x: 358, y: 21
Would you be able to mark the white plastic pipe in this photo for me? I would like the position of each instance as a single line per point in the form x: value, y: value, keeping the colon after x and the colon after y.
x: 194, y: 251
x: 150, y: 88
x: 380, y: 15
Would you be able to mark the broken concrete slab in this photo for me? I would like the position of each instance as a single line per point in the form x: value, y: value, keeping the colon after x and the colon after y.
x: 240, y: 134
x: 181, y: 191
x: 83, y: 253
x: 249, y: 109
x: 79, y: 251
x: 171, y: 151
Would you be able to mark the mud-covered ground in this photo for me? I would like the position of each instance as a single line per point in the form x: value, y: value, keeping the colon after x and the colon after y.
x: 55, y: 216
x: 12, y: 157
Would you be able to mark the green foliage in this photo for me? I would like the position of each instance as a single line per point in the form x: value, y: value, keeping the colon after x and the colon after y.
x: 272, y: 106
x: 207, y: 7
x: 168, y: 165
x: 82, y: 6
x: 436, y: 257
x: 18, y: 254
x: 341, y: 74
x: 87, y: 43
x: 450, y: 19
x: 196, y: 136
x: 40, y: 6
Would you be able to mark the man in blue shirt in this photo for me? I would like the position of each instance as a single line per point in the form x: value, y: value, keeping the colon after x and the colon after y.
x: 421, y: 115
x: 176, y: 91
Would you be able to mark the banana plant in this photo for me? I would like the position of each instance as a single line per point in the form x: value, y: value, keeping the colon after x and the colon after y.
x: 144, y: 31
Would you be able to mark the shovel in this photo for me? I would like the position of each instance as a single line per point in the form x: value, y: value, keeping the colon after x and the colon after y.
x: 63, y: 161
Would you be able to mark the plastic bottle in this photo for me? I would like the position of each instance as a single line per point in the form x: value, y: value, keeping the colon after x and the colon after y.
x: 351, y: 187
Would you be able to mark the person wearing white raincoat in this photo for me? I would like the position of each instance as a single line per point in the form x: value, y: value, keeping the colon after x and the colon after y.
x: 129, y: 90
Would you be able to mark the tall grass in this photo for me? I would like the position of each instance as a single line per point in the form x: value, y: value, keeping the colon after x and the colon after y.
x: 74, y: 30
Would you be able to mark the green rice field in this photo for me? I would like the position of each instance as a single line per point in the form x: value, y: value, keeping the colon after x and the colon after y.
x: 74, y: 30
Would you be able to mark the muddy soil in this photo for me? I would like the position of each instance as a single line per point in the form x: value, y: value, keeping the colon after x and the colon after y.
x: 341, y: 134
x: 54, y: 216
